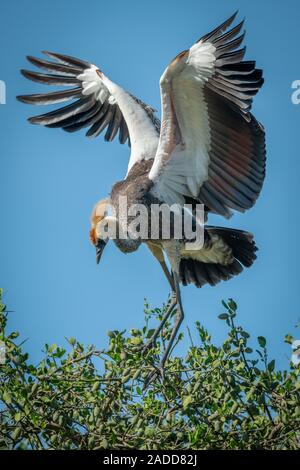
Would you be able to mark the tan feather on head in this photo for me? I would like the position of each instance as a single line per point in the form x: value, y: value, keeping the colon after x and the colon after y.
x: 99, y: 212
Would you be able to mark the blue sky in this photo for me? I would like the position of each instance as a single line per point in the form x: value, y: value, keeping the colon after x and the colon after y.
x: 50, y: 180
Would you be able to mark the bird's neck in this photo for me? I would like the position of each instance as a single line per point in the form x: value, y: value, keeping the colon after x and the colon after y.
x: 123, y: 242
x: 127, y: 245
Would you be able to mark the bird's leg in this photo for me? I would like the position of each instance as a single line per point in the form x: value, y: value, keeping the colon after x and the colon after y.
x: 150, y: 343
x: 177, y: 322
x: 168, y: 275
x: 158, y: 253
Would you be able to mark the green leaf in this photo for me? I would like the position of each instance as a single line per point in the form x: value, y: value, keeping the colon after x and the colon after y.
x: 289, y: 339
x: 262, y: 341
x: 18, y: 416
x: 34, y: 387
x: 217, y: 426
x: 213, y: 416
x: 271, y: 365
x: 7, y: 397
x: 96, y: 386
x: 245, y: 334
x: 126, y: 378
x: 234, y: 408
x: 187, y: 401
x: 53, y: 438
x: 150, y: 333
x: 16, y: 434
x: 137, y: 374
x: 136, y: 340
x: 232, y: 305
x: 52, y: 347
x: 223, y: 316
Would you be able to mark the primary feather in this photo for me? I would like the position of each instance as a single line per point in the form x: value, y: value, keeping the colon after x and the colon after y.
x: 211, y: 148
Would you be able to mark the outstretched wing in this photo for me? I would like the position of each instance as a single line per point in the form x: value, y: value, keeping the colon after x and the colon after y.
x: 211, y: 147
x: 99, y: 104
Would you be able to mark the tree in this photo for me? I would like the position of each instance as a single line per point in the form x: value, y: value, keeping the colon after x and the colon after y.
x: 217, y: 397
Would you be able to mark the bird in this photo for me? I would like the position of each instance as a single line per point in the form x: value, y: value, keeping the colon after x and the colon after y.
x: 208, y: 149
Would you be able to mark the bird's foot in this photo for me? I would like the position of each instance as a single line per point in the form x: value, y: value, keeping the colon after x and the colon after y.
x: 150, y: 344
x: 144, y: 347
x: 157, y: 373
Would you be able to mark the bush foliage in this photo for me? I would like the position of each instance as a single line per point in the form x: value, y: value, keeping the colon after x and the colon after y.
x: 80, y: 397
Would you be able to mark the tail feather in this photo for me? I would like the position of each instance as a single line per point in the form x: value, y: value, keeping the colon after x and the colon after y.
x: 243, y: 250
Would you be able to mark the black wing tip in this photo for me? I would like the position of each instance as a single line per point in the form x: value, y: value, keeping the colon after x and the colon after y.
x: 33, y: 60
x: 27, y: 74
x: 261, y: 82
x: 231, y: 19
x: 90, y: 134
x: 23, y: 99
x: 260, y: 75
x: 68, y: 59
x: 32, y: 120
x: 48, y: 53
x: 243, y: 34
x: 234, y: 15
x: 220, y: 28
x: 240, y: 24
x: 70, y: 130
x: 54, y: 55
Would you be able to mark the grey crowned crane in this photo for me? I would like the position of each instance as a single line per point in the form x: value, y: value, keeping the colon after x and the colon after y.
x: 208, y: 149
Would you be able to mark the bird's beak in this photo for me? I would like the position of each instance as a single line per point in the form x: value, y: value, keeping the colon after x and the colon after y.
x: 100, y: 245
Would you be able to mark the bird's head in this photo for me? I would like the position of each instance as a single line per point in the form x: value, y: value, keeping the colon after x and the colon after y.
x: 98, y: 219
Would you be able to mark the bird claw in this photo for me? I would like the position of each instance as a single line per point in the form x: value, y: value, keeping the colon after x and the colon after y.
x: 143, y: 348
x: 158, y: 372
x: 151, y: 343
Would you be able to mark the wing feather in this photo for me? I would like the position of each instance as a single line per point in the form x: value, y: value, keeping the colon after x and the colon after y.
x: 100, y: 104
x: 210, y: 145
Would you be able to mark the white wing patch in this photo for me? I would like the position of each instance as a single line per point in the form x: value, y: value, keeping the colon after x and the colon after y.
x: 99, y: 105
x: 143, y: 134
x: 93, y: 84
x: 211, y: 148
x: 181, y: 168
x: 200, y: 61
